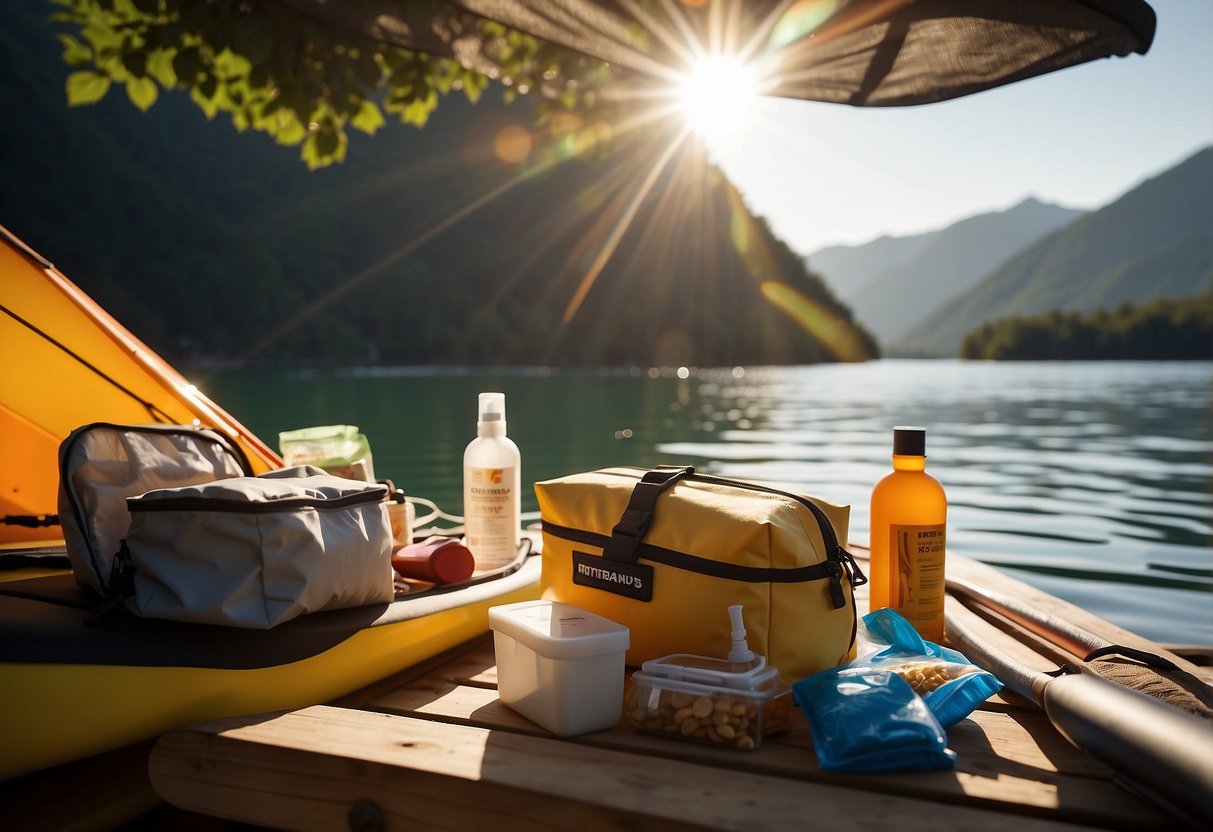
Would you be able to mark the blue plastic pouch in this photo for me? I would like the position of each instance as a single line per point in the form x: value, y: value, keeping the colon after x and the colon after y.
x: 950, y: 684
x: 866, y: 720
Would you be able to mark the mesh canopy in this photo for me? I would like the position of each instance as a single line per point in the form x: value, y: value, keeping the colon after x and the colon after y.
x: 870, y: 53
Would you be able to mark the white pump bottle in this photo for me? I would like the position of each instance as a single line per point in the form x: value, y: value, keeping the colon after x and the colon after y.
x: 492, y: 477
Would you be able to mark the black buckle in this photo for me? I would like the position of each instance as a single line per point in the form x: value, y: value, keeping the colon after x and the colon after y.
x: 633, y: 523
x: 637, y: 517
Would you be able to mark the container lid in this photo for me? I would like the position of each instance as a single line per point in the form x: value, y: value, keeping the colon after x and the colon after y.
x: 770, y: 687
x: 718, y: 673
x: 558, y: 630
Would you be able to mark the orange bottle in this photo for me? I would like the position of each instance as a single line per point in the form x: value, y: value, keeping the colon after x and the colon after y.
x: 909, y: 523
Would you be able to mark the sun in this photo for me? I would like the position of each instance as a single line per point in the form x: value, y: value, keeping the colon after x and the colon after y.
x: 717, y: 95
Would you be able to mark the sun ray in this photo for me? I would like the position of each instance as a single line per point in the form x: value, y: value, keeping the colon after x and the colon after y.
x: 383, y: 263
x: 683, y: 48
x: 621, y: 226
x: 710, y: 44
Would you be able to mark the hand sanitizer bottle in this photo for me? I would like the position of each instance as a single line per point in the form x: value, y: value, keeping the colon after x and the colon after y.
x: 492, y: 477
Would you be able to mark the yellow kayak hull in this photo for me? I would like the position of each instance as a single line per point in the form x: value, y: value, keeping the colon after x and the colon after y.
x: 54, y: 713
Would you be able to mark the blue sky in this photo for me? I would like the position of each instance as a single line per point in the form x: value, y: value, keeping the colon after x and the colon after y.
x: 826, y: 174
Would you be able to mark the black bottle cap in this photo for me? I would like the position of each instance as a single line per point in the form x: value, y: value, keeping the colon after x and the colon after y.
x: 909, y: 440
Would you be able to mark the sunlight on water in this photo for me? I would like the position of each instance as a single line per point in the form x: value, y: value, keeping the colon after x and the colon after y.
x: 1092, y: 481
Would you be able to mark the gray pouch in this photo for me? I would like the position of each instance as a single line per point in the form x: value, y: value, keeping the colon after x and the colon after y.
x: 257, y: 551
x: 101, y: 464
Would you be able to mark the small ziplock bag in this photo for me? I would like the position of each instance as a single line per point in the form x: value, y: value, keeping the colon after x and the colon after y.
x: 887, y: 709
x: 101, y: 464
x: 257, y: 551
x: 949, y: 684
x: 341, y: 450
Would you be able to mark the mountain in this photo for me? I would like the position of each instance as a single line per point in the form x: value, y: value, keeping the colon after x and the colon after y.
x: 1154, y: 241
x: 932, y: 268
x: 848, y: 269
x: 472, y: 241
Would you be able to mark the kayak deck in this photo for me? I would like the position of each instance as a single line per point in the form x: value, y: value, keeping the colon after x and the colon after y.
x: 435, y: 746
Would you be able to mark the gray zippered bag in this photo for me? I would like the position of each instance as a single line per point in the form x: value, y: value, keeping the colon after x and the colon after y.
x: 257, y: 551
x: 102, y: 464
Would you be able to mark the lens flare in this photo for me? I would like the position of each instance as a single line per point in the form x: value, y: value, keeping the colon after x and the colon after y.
x: 718, y: 94
x: 836, y: 335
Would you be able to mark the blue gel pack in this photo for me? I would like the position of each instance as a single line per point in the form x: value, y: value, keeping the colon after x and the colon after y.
x: 866, y: 720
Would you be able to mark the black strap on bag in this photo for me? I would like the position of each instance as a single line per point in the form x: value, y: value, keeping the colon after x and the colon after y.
x: 638, y: 516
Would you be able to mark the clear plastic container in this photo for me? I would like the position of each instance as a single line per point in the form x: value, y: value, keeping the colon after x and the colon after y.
x: 705, y: 700
x: 733, y: 702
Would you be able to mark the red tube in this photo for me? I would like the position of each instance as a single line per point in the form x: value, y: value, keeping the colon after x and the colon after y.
x: 440, y: 560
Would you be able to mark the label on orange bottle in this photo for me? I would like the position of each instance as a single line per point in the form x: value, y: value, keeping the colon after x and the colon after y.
x: 918, y: 583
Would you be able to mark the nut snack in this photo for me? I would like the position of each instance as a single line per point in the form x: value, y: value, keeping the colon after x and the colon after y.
x: 733, y: 718
x: 930, y: 674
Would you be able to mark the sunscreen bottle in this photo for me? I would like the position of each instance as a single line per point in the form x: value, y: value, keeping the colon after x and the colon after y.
x: 492, y: 476
x: 908, y: 520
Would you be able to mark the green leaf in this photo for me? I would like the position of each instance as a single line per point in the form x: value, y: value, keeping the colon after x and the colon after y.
x: 290, y: 131
x: 86, y: 87
x: 324, y: 147
x: 75, y: 53
x: 142, y: 92
x: 204, y: 101
x: 160, y: 67
x: 473, y: 85
x: 369, y: 119
x: 207, y: 87
x: 100, y: 36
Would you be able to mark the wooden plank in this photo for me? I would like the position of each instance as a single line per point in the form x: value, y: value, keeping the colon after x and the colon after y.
x: 309, y: 769
x: 1019, y: 762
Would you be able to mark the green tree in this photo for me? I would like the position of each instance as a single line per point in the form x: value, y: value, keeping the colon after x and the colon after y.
x: 304, y: 81
x: 1162, y: 329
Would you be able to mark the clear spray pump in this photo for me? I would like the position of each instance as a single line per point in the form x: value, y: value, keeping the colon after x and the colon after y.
x: 740, y: 653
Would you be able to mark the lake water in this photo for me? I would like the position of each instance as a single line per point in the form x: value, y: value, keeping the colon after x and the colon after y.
x: 1091, y: 480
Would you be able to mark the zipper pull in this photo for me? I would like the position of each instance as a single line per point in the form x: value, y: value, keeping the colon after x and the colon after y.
x: 836, y: 594
x: 121, y: 586
x: 853, y: 571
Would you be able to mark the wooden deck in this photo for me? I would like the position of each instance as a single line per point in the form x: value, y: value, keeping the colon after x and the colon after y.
x: 434, y: 748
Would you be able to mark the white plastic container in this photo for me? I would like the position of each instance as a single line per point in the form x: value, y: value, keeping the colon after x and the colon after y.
x: 492, y: 488
x: 559, y: 666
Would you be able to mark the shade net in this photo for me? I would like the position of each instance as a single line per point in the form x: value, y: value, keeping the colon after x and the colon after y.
x: 870, y: 53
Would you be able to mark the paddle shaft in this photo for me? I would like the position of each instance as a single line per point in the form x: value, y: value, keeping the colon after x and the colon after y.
x: 1065, y: 635
x: 1165, y: 752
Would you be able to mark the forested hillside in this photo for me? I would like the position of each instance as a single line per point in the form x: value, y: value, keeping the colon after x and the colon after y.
x: 1161, y: 330
x: 1156, y: 241
x: 464, y: 243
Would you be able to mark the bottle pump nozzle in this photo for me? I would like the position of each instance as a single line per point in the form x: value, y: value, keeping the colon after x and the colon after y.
x: 740, y: 651
x: 491, y: 415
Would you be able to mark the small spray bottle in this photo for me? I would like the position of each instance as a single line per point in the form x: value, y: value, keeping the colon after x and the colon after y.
x: 492, y: 499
